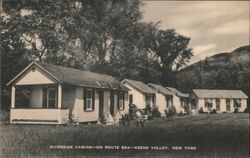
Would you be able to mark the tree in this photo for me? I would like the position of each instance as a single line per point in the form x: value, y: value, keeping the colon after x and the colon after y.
x: 38, y: 25
x: 104, y: 24
x: 172, y: 51
x: 75, y: 33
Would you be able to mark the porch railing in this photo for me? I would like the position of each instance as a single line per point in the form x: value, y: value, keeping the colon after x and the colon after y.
x: 43, y: 116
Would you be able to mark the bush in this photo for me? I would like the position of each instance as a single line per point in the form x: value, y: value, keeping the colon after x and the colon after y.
x: 132, y: 111
x: 187, y: 109
x: 170, y: 112
x: 156, y: 113
x: 236, y: 110
x: 180, y: 114
x: 148, y: 111
x: 201, y: 111
x: 213, y: 111
x: 246, y: 110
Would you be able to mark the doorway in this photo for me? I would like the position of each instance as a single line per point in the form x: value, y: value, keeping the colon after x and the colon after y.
x: 130, y: 99
x: 112, y: 108
x: 101, y: 102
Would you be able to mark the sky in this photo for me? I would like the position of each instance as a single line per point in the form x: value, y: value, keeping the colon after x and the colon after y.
x: 213, y: 26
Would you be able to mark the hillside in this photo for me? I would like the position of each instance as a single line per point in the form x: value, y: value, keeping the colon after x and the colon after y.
x: 227, y: 70
x: 239, y: 55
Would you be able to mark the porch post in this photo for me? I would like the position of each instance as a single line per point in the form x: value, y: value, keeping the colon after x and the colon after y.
x: 59, y: 102
x: 13, y: 96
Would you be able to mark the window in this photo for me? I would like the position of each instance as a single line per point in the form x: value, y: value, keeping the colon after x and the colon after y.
x: 208, y: 103
x: 228, y: 104
x: 217, y: 101
x: 121, y: 100
x: 237, y: 103
x: 89, y: 100
x: 51, y: 95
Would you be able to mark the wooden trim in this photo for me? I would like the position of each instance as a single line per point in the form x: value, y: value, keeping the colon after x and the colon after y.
x: 13, y: 97
x: 85, y: 99
x: 135, y: 86
x: 31, y: 120
x: 47, y: 72
x: 29, y: 66
x: 40, y: 108
x: 48, y: 89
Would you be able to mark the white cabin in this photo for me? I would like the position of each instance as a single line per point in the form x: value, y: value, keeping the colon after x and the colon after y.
x: 49, y: 94
x: 139, y: 94
x: 219, y: 100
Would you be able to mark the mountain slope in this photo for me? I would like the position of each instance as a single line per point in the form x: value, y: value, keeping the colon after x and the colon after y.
x: 240, y: 55
x: 228, y: 70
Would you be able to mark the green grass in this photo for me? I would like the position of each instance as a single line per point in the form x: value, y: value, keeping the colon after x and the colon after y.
x: 214, y: 135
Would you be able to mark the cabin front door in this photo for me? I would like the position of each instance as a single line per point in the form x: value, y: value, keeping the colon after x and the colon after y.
x: 101, y: 102
x: 228, y: 108
x: 112, y: 107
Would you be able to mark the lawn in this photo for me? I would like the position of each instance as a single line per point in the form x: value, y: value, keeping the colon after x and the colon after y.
x: 213, y: 135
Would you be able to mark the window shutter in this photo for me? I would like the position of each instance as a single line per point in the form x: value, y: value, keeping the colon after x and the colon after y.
x: 93, y: 99
x: 44, y: 98
x: 84, y: 99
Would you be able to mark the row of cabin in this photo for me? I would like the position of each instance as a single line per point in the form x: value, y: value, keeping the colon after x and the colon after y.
x: 50, y: 94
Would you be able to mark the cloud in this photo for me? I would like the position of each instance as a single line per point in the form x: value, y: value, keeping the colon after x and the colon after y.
x: 213, y: 26
x: 204, y: 48
x: 233, y: 27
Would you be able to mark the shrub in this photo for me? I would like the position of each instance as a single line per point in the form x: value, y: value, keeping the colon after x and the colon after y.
x: 156, y: 113
x: 246, y: 110
x: 170, y: 112
x: 180, y: 114
x: 213, y: 111
x: 187, y: 109
x: 148, y: 111
x: 132, y: 111
x: 173, y: 110
x: 236, y: 110
x: 201, y: 111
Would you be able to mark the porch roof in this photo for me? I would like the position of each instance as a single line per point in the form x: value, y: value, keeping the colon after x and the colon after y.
x: 212, y: 93
x: 71, y: 76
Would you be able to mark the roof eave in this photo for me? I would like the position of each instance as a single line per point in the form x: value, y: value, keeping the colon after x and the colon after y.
x: 25, y: 69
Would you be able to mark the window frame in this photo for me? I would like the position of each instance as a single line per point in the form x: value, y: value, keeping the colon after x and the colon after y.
x: 228, y: 106
x: 89, y: 99
x: 121, y: 100
x: 218, y: 106
x: 48, y: 98
x: 206, y: 103
x: 235, y: 101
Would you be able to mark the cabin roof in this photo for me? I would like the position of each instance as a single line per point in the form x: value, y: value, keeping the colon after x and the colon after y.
x: 209, y: 93
x: 71, y: 76
x: 177, y: 92
x: 161, y: 89
x: 140, y: 85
